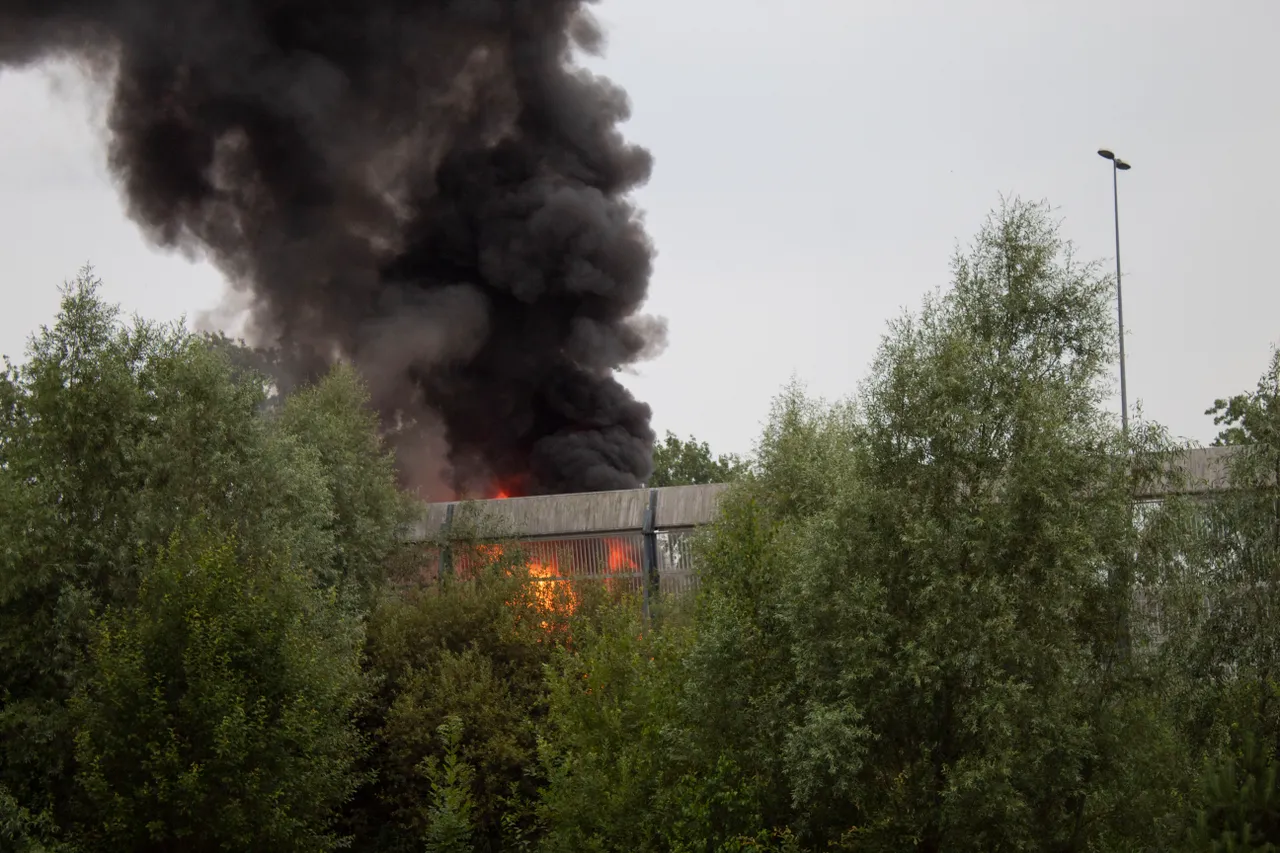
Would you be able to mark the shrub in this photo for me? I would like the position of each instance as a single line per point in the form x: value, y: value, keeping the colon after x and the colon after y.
x: 217, y: 712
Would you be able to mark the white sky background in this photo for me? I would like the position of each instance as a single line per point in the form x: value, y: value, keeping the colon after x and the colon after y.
x: 817, y: 162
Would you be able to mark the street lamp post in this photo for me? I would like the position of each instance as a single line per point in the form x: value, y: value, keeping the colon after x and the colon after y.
x: 1117, y: 166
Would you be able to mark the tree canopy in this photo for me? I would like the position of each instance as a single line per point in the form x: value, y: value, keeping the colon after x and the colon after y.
x: 930, y: 616
x: 114, y: 438
x: 1251, y: 418
x: 688, y: 462
x: 906, y: 635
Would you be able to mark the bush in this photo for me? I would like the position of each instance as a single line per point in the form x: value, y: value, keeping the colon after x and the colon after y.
x: 913, y: 627
x: 217, y: 713
x: 467, y: 654
x: 612, y: 750
x: 1240, y: 806
x: 112, y: 436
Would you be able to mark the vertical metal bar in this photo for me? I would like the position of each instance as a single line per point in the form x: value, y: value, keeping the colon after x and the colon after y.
x: 446, y: 552
x: 649, y: 557
x: 1124, y: 389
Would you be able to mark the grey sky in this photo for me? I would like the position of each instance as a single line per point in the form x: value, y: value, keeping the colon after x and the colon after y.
x: 817, y: 163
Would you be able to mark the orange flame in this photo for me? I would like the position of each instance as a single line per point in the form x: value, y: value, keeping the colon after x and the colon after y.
x: 551, y: 592
x: 620, y: 557
x: 544, y: 578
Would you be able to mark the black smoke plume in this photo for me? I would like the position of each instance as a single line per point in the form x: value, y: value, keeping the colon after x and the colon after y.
x: 431, y: 189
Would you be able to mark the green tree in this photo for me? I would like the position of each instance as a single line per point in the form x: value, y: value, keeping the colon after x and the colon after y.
x: 467, y: 654
x: 1251, y: 417
x: 1241, y: 805
x: 279, y: 370
x: 914, y: 616
x: 216, y: 712
x: 24, y: 832
x: 333, y: 419
x: 449, y: 824
x: 612, y: 753
x: 112, y: 436
x: 1223, y: 643
x: 678, y: 462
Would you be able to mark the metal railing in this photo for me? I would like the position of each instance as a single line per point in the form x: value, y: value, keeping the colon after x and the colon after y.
x: 642, y: 539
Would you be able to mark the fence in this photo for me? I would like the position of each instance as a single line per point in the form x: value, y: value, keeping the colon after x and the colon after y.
x: 616, y: 560
x: 640, y: 539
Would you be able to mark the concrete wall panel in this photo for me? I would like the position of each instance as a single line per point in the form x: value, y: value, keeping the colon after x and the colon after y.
x: 683, y: 507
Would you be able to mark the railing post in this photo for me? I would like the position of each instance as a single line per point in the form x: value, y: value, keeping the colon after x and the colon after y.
x: 446, y: 550
x: 649, y: 548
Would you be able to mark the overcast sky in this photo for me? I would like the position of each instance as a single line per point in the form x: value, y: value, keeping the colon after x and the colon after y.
x: 817, y: 163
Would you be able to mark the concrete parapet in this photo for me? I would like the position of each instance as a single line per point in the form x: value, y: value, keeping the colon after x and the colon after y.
x: 684, y: 507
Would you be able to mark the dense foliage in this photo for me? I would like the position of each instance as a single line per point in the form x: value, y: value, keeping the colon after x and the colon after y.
x: 114, y: 439
x: 912, y: 631
x: 1251, y: 418
x: 931, y: 617
x: 689, y: 462
x: 215, y: 711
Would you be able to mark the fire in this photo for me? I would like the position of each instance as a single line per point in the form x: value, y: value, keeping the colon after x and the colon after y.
x: 544, y: 577
x: 511, y: 487
x: 620, y: 557
x: 552, y: 591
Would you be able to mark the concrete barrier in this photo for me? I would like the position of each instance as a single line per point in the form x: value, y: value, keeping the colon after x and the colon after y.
x: 680, y: 508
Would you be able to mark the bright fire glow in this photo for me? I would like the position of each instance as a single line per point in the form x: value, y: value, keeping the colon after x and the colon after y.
x: 542, y: 577
x: 620, y: 559
x: 551, y: 591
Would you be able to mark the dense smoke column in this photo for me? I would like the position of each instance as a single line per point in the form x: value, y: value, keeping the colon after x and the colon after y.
x: 429, y: 188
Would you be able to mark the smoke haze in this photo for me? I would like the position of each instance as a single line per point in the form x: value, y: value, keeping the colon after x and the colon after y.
x: 430, y: 189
